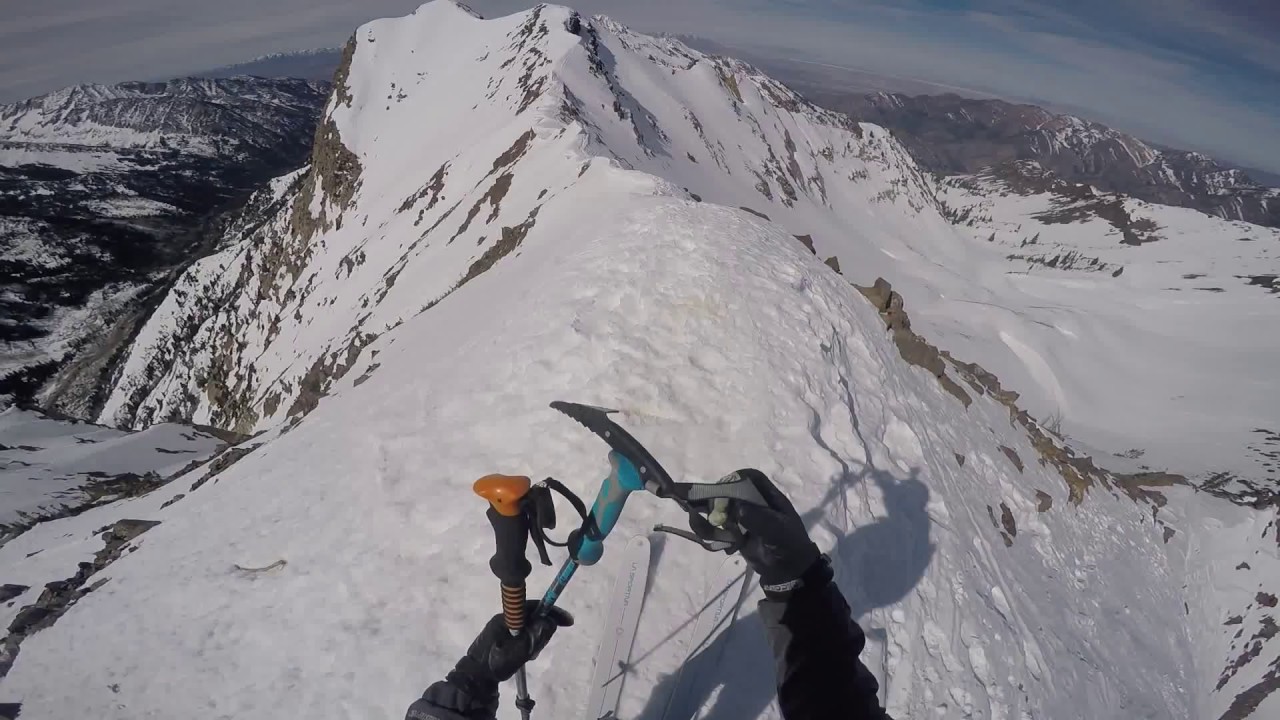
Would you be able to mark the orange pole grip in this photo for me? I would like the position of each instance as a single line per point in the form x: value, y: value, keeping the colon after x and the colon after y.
x: 504, y: 492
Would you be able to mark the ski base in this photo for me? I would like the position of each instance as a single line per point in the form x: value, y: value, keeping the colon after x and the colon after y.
x: 619, y: 632
x: 719, y: 611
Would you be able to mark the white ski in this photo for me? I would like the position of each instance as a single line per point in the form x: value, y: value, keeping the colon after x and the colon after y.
x: 719, y: 610
x: 619, y: 632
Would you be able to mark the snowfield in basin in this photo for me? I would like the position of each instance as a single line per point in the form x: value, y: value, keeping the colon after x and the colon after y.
x: 485, y: 229
x: 48, y: 465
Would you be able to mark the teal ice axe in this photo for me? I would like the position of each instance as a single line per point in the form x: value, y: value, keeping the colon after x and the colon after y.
x: 633, y: 468
x: 520, y: 510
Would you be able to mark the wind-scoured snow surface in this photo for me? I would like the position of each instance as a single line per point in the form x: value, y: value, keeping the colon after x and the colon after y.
x: 729, y: 347
x: 502, y: 213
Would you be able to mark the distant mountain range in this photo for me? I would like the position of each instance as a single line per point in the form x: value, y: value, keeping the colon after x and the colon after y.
x: 952, y: 135
x: 107, y: 189
x: 954, y: 131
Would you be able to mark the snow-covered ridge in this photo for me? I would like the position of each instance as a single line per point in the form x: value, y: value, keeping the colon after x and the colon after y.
x: 318, y: 279
x: 625, y: 294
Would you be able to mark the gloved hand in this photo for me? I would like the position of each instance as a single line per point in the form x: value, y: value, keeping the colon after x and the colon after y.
x: 498, y: 654
x: 776, y: 545
x: 471, y: 689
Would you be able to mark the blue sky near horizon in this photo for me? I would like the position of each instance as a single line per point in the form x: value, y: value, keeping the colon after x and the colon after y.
x: 1198, y: 74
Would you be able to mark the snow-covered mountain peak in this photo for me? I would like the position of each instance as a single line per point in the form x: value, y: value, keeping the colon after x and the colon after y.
x: 446, y: 135
x: 442, y: 153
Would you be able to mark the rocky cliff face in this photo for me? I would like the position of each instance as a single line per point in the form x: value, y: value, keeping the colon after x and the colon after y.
x: 106, y: 192
x: 952, y: 135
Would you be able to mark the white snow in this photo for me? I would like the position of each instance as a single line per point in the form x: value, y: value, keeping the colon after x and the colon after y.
x: 726, y: 344
x: 124, y: 206
x: 1122, y: 360
x: 1144, y: 360
x: 77, y: 159
x: 45, y: 464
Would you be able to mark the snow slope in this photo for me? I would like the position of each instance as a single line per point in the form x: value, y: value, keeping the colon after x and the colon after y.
x: 501, y: 213
x: 48, y: 466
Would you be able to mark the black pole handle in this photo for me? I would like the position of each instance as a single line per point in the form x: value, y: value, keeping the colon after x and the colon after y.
x: 511, y: 539
x: 511, y: 536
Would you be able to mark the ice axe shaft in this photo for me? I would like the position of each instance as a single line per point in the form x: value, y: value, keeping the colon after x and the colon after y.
x: 586, y: 545
x: 509, y: 565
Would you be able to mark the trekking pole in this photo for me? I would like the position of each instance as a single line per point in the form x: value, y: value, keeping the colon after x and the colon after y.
x: 511, y: 533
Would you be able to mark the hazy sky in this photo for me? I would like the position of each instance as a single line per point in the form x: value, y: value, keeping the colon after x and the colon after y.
x: 1200, y: 74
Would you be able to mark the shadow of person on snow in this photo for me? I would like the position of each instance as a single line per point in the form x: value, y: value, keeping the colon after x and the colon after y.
x: 876, y: 565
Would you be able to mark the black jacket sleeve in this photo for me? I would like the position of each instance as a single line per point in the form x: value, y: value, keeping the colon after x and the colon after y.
x: 462, y: 695
x: 816, y: 645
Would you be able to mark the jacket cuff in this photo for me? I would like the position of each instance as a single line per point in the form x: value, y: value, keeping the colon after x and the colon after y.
x: 818, y: 576
x: 467, y: 692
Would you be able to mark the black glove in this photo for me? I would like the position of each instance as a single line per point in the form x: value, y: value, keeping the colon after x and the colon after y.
x: 776, y: 543
x: 471, y: 689
x: 498, y: 654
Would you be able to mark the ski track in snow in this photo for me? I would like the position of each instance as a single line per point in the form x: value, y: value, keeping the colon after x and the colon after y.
x: 725, y: 343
